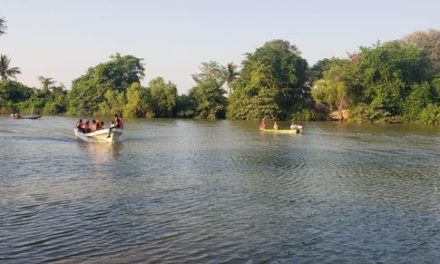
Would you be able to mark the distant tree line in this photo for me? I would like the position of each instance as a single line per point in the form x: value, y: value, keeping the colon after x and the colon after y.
x: 396, y: 81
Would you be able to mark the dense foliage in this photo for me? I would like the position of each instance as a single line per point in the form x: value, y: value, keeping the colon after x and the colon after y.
x: 207, y: 96
x: 397, y: 81
x: 390, y: 82
x: 271, y: 84
x: 16, y: 97
x: 162, y: 97
x: 90, y: 91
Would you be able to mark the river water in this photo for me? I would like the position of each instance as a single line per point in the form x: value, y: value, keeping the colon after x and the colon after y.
x: 219, y: 192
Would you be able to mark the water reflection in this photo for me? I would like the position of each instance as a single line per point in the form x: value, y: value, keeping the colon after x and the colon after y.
x: 102, y: 152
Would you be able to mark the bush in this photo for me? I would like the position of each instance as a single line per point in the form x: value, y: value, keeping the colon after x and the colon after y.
x: 364, y: 113
x: 430, y: 115
x: 307, y: 114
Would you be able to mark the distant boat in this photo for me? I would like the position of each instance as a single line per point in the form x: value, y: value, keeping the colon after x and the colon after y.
x: 100, y: 136
x: 283, y: 131
x: 26, y: 117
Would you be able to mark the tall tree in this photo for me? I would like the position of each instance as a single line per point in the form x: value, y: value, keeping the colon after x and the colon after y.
x: 118, y: 74
x: 46, y: 82
x: 331, y: 91
x: 136, y: 101
x: 7, y: 72
x: 209, y: 71
x: 428, y: 41
x: 208, y: 94
x: 3, y: 26
x: 232, y: 74
x: 271, y: 84
x: 386, y: 72
x: 317, y: 71
x: 162, y: 97
x: 210, y: 100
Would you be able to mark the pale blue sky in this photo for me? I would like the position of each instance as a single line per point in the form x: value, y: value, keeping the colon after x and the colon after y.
x: 62, y: 39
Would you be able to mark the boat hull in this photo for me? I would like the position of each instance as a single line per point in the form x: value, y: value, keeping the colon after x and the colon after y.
x: 100, y: 136
x: 26, y: 117
x: 282, y: 131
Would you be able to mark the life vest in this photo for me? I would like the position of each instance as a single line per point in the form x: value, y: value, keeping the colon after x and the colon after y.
x: 118, y: 123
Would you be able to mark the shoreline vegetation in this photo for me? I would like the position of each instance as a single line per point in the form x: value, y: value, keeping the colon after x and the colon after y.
x: 393, y: 82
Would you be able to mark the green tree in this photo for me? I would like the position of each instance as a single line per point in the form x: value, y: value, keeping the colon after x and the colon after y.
x: 57, y: 103
x: 162, y: 97
x: 46, y: 82
x: 118, y: 74
x: 136, y: 101
x: 420, y: 97
x: 13, y: 96
x: 7, y: 72
x: 316, y: 72
x: 113, y: 103
x: 332, y: 92
x: 14, y: 92
x: 272, y: 83
x: 436, y: 86
x: 209, y: 71
x: 385, y: 73
x: 210, y: 100
x: 429, y: 42
x: 186, y: 106
x: 231, y: 74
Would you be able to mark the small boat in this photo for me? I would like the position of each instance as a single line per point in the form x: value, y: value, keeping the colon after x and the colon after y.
x: 100, y: 136
x: 26, y: 117
x: 283, y: 131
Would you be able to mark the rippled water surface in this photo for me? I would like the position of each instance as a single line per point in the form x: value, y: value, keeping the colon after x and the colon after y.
x: 219, y: 192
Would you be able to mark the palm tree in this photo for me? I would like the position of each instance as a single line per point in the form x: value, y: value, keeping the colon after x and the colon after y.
x: 46, y: 82
x: 2, y: 26
x: 5, y: 71
x: 231, y: 74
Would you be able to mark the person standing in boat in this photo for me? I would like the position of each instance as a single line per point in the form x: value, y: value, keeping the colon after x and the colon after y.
x: 117, y: 123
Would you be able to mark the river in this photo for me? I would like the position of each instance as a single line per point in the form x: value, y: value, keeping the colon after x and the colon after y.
x: 219, y: 192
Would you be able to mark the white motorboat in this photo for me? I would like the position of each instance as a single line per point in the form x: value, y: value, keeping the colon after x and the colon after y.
x: 100, y: 136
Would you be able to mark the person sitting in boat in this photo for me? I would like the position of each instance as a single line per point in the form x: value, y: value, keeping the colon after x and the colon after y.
x: 100, y: 124
x: 117, y: 123
x: 95, y: 125
x: 85, y: 127
x: 293, y: 126
x: 79, y: 124
x: 276, y: 126
x: 263, y: 124
x: 298, y: 128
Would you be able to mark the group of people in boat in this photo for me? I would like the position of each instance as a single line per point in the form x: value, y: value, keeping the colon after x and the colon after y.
x: 276, y: 126
x: 97, y: 125
x: 85, y: 127
x: 15, y: 115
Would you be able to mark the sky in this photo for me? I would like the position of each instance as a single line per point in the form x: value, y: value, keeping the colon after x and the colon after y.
x: 62, y: 39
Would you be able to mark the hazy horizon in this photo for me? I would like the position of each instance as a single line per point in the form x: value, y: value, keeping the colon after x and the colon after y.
x: 63, y: 39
